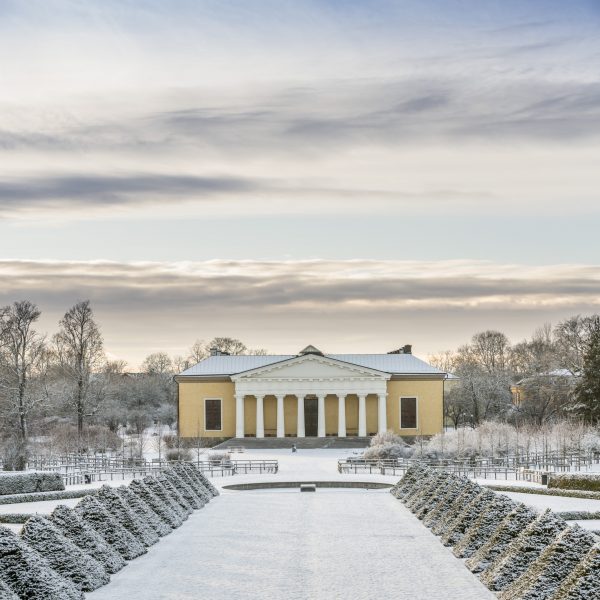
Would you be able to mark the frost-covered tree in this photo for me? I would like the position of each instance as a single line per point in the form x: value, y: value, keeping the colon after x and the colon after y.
x: 191, y: 497
x: 85, y: 537
x: 164, y: 494
x: 189, y: 473
x: 29, y: 575
x: 80, y: 353
x: 23, y: 366
x: 95, y: 514
x: 124, y: 515
x: 174, y: 493
x: 63, y: 555
x: 587, y: 391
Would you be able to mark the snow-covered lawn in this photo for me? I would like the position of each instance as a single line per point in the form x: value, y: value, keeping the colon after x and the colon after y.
x: 329, y: 544
x: 44, y: 507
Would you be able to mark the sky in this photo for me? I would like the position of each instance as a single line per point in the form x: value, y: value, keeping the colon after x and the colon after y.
x: 357, y: 175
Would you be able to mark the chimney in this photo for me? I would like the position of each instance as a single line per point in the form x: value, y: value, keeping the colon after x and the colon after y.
x: 217, y: 352
x: 407, y: 349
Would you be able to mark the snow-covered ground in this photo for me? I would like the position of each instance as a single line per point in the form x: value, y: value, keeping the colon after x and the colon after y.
x: 329, y: 544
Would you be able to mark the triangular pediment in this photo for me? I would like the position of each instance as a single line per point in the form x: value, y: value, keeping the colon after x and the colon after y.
x: 311, y: 366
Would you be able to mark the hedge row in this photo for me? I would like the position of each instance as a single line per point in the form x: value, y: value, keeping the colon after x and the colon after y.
x: 575, y: 481
x: 76, y: 550
x: 518, y: 553
x: 41, y: 496
x: 544, y: 491
x: 579, y: 515
x: 30, y: 483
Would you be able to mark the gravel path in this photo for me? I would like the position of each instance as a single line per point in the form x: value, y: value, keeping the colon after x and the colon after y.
x: 286, y: 544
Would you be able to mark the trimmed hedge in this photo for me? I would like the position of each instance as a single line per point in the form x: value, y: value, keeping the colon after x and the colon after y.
x: 41, y: 496
x: 578, y: 515
x: 30, y: 483
x: 575, y: 481
x: 6, y: 593
x: 544, y: 491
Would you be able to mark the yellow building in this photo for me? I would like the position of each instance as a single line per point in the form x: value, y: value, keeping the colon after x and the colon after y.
x: 310, y: 394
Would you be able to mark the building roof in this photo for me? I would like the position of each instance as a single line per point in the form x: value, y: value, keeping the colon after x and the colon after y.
x: 401, y: 364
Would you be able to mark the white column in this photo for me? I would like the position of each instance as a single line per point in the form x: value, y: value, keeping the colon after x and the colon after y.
x: 321, y: 421
x: 260, y: 417
x: 239, y: 416
x: 362, y: 415
x: 342, y: 415
x: 300, y: 427
x: 280, y: 422
x: 382, y: 414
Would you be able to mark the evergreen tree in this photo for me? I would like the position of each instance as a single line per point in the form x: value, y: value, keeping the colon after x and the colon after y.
x: 587, y: 391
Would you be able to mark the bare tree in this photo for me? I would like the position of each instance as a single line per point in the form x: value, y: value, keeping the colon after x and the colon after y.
x: 159, y: 363
x: 80, y: 352
x: 22, y: 359
x: 572, y: 336
x: 198, y: 352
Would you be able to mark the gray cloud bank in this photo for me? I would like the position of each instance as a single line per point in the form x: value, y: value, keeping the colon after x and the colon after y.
x: 355, y: 305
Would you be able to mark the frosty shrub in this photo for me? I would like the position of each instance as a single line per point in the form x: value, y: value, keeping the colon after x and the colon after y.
x: 457, y: 527
x: 175, y: 454
x: 189, y: 474
x: 484, y: 526
x: 206, y: 482
x: 164, y: 508
x: 29, y: 575
x: 30, y: 483
x: 575, y: 481
x: 552, y: 567
x: 452, y: 510
x: 420, y: 487
x: 143, y: 510
x: 41, y: 496
x: 6, y: 593
x: 503, y: 535
x: 408, y: 481
x: 174, y: 493
x: 85, y: 537
x: 387, y: 445
x: 63, y: 555
x: 584, y: 581
x: 444, y: 500
x: 124, y: 515
x: 426, y: 489
x: 165, y: 496
x: 95, y: 514
x: 191, y: 497
x: 523, y: 551
x: 445, y: 483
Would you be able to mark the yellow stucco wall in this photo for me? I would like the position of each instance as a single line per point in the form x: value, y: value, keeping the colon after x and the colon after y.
x: 430, y: 405
x: 191, y: 408
x: 429, y: 394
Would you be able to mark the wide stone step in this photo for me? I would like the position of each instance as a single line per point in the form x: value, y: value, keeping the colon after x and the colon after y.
x: 305, y: 443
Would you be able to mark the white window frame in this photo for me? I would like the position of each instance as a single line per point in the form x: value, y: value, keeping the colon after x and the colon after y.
x: 221, y: 401
x: 416, y: 411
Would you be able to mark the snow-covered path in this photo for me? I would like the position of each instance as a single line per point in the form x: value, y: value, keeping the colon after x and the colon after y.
x: 286, y: 544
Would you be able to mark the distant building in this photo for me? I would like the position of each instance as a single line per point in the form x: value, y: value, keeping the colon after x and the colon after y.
x: 310, y: 394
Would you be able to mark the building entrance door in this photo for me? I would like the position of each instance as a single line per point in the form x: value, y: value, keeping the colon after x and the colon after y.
x: 311, y: 417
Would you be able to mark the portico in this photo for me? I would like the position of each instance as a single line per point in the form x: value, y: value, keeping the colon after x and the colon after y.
x: 306, y: 377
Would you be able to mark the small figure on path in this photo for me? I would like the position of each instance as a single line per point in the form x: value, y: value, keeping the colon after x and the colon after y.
x: 294, y: 449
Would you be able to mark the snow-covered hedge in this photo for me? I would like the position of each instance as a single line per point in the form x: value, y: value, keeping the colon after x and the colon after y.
x: 523, y: 551
x: 190, y: 496
x: 41, y: 496
x: 552, y: 567
x: 95, y: 514
x: 86, y: 538
x: 484, y: 526
x: 578, y: 515
x: 6, y: 593
x: 163, y: 507
x: 469, y: 491
x: 126, y: 516
x: 457, y: 527
x: 15, y: 517
x: 205, y: 481
x: 445, y: 498
x: 29, y: 575
x: 30, y: 483
x: 165, y: 496
x: 174, y: 493
x: 575, y: 481
x: 544, y: 491
x: 143, y: 511
x: 584, y: 581
x: 387, y: 445
x: 504, y: 534
x: 63, y: 555
x: 190, y: 474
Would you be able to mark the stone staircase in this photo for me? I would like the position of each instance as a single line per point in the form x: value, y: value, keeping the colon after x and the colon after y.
x: 305, y: 443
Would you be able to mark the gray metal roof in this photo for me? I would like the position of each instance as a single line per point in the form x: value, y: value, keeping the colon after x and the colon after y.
x: 404, y: 364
